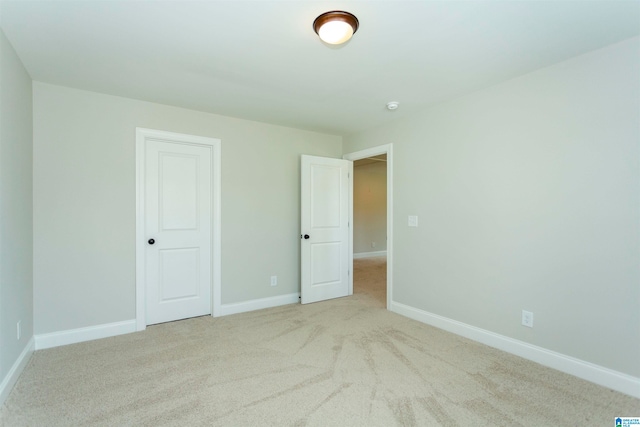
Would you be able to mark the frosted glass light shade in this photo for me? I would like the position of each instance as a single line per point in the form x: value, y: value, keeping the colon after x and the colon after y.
x: 335, y: 27
x: 335, y: 32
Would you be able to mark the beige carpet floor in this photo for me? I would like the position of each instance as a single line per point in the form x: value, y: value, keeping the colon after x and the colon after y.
x: 337, y: 363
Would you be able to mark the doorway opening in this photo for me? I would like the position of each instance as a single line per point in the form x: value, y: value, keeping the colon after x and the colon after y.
x: 370, y: 228
x: 372, y: 219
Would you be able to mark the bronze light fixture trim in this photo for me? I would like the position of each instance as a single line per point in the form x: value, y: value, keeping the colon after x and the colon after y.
x: 335, y: 27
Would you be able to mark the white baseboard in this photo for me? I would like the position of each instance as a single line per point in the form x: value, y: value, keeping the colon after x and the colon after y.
x: 90, y: 333
x: 369, y: 254
x: 579, y: 368
x: 259, y: 304
x: 14, y: 373
x: 72, y: 336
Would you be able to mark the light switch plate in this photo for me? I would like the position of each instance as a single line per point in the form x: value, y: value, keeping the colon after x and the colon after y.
x: 413, y: 221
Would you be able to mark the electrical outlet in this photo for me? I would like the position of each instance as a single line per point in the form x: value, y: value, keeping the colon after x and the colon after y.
x: 18, y: 329
x: 373, y: 244
x: 274, y: 280
x: 527, y: 318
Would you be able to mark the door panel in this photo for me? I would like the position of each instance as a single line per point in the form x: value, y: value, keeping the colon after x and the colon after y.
x: 178, y: 274
x: 326, y: 263
x: 178, y: 218
x: 325, y: 268
x: 325, y: 196
x: 178, y: 204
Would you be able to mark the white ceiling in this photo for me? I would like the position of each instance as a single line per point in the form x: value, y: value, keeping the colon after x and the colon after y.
x: 261, y: 60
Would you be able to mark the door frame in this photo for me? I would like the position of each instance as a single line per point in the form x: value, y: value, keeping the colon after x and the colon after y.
x: 363, y: 154
x: 142, y: 135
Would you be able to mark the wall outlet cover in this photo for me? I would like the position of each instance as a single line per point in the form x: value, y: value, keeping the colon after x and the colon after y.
x: 527, y: 318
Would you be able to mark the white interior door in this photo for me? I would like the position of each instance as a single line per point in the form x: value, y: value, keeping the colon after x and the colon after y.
x: 178, y: 229
x: 325, y: 234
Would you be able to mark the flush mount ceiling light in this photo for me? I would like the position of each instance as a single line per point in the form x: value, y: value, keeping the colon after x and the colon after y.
x: 393, y: 105
x: 335, y: 27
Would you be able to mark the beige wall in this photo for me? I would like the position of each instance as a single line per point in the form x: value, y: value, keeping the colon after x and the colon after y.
x: 16, y: 220
x: 528, y: 197
x: 370, y: 207
x: 84, y: 203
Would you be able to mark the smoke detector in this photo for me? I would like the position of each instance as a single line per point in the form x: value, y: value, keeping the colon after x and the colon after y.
x: 392, y: 105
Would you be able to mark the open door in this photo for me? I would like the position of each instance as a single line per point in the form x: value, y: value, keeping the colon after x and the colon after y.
x: 325, y: 234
